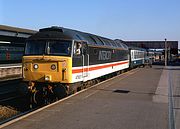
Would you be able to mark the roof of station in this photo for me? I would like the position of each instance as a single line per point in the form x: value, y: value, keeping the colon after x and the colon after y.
x: 9, y: 31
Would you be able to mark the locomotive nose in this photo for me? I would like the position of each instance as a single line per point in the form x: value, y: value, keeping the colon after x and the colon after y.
x: 51, y: 69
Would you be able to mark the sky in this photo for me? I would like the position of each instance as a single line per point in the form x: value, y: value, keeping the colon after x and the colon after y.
x: 115, y: 19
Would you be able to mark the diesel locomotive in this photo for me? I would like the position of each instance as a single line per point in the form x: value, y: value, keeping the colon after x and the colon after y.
x: 59, y: 61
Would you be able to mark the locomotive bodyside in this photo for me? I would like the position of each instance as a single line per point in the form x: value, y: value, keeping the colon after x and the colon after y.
x: 100, y: 61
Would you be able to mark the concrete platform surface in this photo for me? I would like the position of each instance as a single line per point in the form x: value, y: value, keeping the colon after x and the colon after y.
x: 174, y: 96
x: 135, y: 100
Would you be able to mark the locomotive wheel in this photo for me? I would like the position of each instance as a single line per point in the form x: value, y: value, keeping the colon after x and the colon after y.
x: 37, y: 98
x: 59, y: 91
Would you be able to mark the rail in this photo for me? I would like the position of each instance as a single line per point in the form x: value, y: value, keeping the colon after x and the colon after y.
x: 8, y: 89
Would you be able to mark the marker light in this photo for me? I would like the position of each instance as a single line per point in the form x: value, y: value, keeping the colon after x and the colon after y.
x: 53, y: 66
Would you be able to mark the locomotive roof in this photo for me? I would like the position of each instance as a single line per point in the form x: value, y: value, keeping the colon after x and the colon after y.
x: 69, y: 34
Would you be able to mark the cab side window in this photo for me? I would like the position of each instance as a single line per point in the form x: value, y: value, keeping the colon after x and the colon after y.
x: 77, y: 48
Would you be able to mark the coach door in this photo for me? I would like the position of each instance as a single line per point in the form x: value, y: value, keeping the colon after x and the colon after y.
x: 85, y: 58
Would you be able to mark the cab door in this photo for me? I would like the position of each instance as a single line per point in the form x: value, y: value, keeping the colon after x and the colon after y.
x: 85, y: 58
x: 81, y: 60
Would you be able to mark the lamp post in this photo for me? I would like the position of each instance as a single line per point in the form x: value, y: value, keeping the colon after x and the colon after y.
x: 165, y: 52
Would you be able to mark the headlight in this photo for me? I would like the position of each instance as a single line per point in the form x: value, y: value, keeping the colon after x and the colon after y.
x: 47, y: 78
x: 53, y: 66
x: 35, y: 66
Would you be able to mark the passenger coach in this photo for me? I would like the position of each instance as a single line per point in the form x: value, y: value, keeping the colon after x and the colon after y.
x: 58, y: 61
x: 137, y: 56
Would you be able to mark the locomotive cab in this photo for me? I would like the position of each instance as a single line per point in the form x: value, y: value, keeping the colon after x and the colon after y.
x: 51, y: 61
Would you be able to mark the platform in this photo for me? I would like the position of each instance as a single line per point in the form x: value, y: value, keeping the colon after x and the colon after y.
x: 137, y: 99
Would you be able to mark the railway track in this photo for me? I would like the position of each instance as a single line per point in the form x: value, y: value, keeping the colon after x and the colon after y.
x: 8, y: 89
x: 11, y: 103
x: 9, y: 80
x: 8, y: 97
x: 18, y: 115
